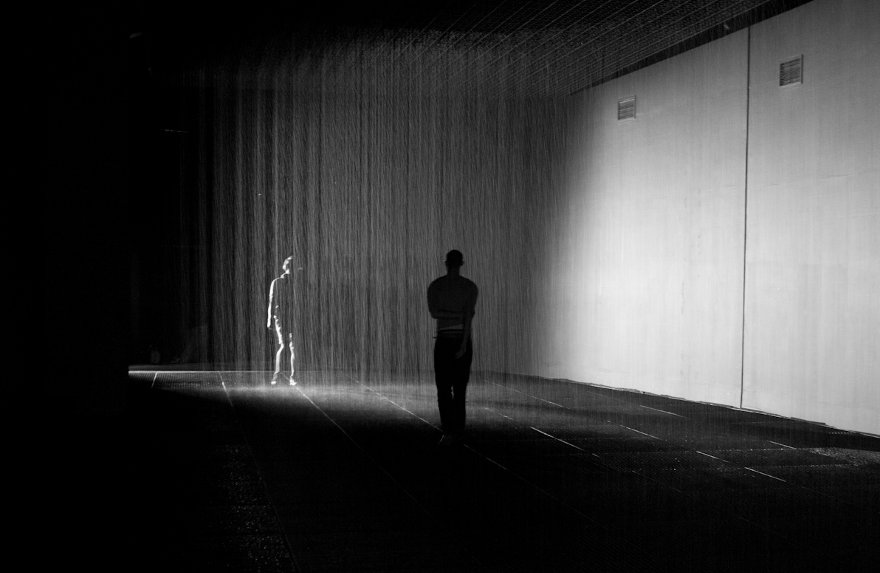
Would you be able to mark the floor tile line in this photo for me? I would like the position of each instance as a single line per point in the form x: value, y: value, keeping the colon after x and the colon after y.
x: 664, y: 411
x: 735, y: 514
x: 531, y: 396
x: 376, y: 462
x: 711, y: 456
x: 368, y: 456
x: 520, y: 478
x: 505, y: 416
x: 642, y: 433
x: 699, y: 452
x: 764, y: 474
x: 560, y: 440
x: 783, y: 445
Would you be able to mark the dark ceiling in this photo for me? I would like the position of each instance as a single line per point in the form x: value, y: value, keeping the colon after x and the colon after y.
x: 577, y: 43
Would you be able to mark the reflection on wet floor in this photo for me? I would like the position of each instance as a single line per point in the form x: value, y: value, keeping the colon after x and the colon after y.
x: 343, y: 474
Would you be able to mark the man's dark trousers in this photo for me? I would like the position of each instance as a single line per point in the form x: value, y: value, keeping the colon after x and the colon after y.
x: 451, y: 376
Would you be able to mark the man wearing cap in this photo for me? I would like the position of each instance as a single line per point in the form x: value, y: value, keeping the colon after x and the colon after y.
x: 451, y: 300
x: 282, y: 311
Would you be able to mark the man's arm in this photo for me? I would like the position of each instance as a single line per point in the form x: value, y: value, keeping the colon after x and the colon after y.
x: 465, y: 338
x: 271, y: 305
x: 436, y: 311
x: 469, y: 312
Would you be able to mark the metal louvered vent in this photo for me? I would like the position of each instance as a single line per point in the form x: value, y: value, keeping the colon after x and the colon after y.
x: 791, y: 72
x: 626, y: 108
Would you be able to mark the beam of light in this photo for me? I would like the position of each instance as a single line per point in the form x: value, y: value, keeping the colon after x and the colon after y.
x: 606, y: 252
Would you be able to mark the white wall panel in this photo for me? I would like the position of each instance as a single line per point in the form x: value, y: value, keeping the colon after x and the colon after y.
x: 813, y: 261
x: 651, y: 264
x: 646, y: 283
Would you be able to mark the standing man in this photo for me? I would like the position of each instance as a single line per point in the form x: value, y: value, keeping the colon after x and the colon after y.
x: 451, y: 300
x: 283, y: 310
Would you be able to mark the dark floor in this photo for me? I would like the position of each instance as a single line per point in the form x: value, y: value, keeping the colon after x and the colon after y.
x: 336, y: 474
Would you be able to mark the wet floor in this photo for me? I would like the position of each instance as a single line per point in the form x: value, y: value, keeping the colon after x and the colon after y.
x: 344, y: 474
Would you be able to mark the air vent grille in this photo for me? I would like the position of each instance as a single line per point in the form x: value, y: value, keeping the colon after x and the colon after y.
x: 626, y: 108
x: 791, y: 72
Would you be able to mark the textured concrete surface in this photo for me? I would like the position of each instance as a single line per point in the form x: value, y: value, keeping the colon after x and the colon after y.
x: 724, y: 246
x: 338, y: 474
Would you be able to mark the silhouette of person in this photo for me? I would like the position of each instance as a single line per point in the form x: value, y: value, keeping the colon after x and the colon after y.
x: 283, y: 297
x: 451, y: 300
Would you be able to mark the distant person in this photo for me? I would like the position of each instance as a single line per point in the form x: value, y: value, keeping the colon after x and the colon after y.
x: 283, y: 297
x: 451, y: 300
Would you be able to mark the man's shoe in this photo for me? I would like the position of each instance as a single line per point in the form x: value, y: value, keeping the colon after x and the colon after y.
x: 292, y: 381
x: 275, y: 379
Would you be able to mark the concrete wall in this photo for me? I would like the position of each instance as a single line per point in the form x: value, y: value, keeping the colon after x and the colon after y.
x: 813, y: 259
x: 652, y: 291
x: 663, y: 214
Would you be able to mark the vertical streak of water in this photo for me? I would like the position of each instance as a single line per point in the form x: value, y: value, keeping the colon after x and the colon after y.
x: 367, y: 173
